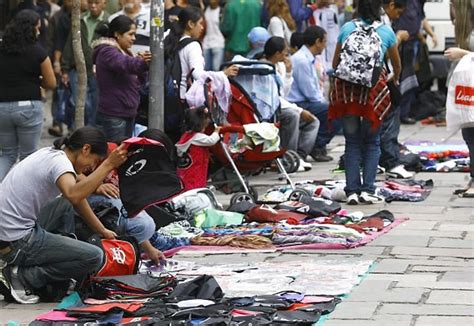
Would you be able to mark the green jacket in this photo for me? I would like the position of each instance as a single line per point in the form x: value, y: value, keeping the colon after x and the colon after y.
x: 240, y: 16
x: 67, y: 58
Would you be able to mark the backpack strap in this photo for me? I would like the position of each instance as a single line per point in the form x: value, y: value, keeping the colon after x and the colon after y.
x: 184, y: 42
x: 377, y: 24
x: 357, y: 22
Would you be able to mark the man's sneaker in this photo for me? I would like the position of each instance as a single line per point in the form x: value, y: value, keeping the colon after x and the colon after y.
x: 4, y: 289
x: 353, y: 199
x: 399, y: 172
x: 366, y: 198
x: 304, y: 166
x: 17, y: 290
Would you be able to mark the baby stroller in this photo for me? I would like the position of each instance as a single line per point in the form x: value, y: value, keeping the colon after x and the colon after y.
x: 248, y: 108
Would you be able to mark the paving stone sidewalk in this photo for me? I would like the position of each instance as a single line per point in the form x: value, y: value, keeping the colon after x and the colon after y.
x: 425, y: 269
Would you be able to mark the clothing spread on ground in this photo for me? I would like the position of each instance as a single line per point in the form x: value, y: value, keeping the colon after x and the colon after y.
x: 309, y: 223
x: 406, y: 190
x: 301, y: 292
x: 390, y: 189
x: 441, y: 157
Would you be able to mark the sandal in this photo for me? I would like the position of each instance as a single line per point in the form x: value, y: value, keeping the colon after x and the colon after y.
x: 461, y: 191
x: 468, y: 193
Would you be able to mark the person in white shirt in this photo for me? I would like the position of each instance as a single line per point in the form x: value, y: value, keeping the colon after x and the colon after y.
x: 213, y: 43
x: 140, y: 13
x: 189, y: 24
x: 326, y: 17
x: 298, y: 127
x: 281, y: 23
x: 36, y: 254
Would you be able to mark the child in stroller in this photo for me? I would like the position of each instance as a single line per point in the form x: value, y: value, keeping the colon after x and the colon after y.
x: 252, y: 112
x: 193, y: 148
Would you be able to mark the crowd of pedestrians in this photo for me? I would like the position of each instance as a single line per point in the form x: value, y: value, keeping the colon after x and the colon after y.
x: 117, y: 56
x: 302, y: 39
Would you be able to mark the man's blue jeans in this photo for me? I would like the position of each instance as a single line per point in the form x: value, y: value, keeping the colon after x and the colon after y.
x: 141, y: 227
x: 213, y: 58
x: 468, y: 136
x: 115, y: 128
x: 406, y: 101
x: 296, y: 134
x: 320, y: 110
x: 20, y: 130
x: 390, y: 129
x: 362, y: 149
x: 92, y: 97
x: 44, y: 258
x: 409, y: 97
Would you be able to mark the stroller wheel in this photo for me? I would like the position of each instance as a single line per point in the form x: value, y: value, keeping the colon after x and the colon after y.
x: 240, y: 197
x: 253, y: 191
x: 298, y: 193
x: 290, y: 162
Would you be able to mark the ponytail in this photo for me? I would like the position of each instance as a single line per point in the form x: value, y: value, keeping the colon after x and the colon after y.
x: 82, y: 136
x: 120, y: 24
x: 60, y: 142
x: 102, y: 29
x: 178, y: 28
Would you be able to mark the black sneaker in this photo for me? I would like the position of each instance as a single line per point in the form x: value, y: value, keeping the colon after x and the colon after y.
x: 320, y: 155
x: 5, y: 290
x: 17, y: 290
x: 407, y: 121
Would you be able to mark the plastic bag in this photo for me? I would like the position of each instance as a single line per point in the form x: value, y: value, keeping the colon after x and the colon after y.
x: 460, y: 101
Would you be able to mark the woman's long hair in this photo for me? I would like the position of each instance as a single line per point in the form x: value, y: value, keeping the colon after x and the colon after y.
x: 82, y: 136
x: 463, y: 24
x: 178, y: 28
x: 281, y: 9
x: 20, y: 33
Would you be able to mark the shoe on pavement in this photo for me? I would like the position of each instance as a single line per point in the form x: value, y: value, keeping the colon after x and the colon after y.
x: 17, y: 290
x: 56, y: 131
x: 4, y: 289
x: 407, y: 121
x: 399, y: 172
x: 320, y: 155
x: 353, y: 199
x: 380, y: 169
x: 304, y: 166
x: 366, y: 198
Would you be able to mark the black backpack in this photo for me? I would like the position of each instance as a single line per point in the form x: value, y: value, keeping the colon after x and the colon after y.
x: 174, y: 108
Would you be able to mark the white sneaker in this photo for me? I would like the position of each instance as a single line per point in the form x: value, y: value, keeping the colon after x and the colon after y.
x: 380, y: 169
x: 353, y: 199
x: 399, y: 172
x: 18, y: 291
x: 304, y: 166
x: 366, y: 198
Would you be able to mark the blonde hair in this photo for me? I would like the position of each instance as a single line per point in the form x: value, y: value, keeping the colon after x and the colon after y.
x: 463, y: 23
x: 281, y: 9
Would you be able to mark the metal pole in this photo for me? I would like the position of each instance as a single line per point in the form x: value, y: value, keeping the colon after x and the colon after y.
x: 157, y: 66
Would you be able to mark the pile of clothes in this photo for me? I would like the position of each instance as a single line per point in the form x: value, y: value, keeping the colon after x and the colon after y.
x: 406, y: 190
x: 309, y: 220
x: 441, y: 157
x: 192, y: 301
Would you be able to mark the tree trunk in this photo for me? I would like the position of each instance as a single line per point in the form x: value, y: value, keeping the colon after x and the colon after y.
x: 79, y: 62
